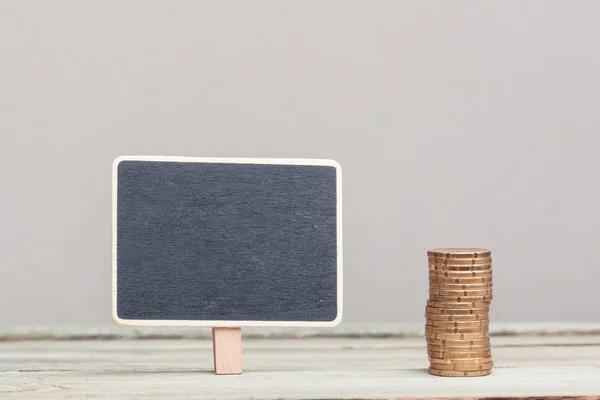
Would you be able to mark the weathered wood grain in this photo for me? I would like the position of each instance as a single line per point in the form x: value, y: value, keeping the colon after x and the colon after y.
x: 317, y: 368
x: 551, y: 331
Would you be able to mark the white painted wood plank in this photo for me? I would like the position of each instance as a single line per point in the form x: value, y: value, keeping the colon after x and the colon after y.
x: 318, y: 384
x: 290, y: 369
x: 345, y: 329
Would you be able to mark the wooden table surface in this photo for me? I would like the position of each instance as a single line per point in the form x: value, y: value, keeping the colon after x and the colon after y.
x: 366, y: 366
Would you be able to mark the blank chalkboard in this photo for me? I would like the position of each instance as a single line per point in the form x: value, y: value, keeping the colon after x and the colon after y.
x: 226, y: 242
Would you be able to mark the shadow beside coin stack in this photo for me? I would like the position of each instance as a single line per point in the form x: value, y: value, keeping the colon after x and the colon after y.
x: 457, y: 312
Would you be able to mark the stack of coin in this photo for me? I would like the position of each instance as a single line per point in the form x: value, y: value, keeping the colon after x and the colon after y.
x: 457, y: 312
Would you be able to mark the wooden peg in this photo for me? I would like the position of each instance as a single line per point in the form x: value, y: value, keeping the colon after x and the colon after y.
x: 227, y: 350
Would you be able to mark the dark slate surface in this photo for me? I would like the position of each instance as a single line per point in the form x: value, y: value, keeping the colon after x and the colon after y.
x: 198, y: 241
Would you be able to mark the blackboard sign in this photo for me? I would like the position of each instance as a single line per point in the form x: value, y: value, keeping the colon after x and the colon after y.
x: 226, y: 242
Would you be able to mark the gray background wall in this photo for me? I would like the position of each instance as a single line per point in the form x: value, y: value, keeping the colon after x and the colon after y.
x: 456, y: 123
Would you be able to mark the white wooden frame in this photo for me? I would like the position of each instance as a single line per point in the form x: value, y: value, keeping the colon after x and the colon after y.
x: 192, y: 323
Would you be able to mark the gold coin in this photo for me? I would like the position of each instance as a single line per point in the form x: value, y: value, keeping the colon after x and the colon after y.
x: 483, y: 311
x: 449, y: 329
x: 478, y: 316
x: 438, y: 263
x: 459, y: 281
x: 458, y: 343
x: 441, y: 270
x: 439, y: 274
x: 453, y: 281
x: 458, y: 292
x: 469, y: 280
x: 459, y: 324
x: 461, y: 299
x: 447, y: 284
x: 441, y: 367
x: 455, y: 304
x: 467, y: 268
x: 455, y: 318
x: 458, y: 349
x: 461, y: 368
x: 438, y: 372
x: 457, y: 330
x: 460, y: 274
x: 458, y: 346
x: 457, y: 336
x: 479, y: 367
x: 454, y: 286
x: 459, y: 252
x: 459, y: 261
x: 464, y: 276
x: 444, y: 355
x: 462, y: 361
x: 455, y: 356
x: 459, y: 268
x: 458, y: 352
x: 481, y: 323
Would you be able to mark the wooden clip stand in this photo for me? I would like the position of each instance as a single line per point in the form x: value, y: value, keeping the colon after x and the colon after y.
x: 227, y: 350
